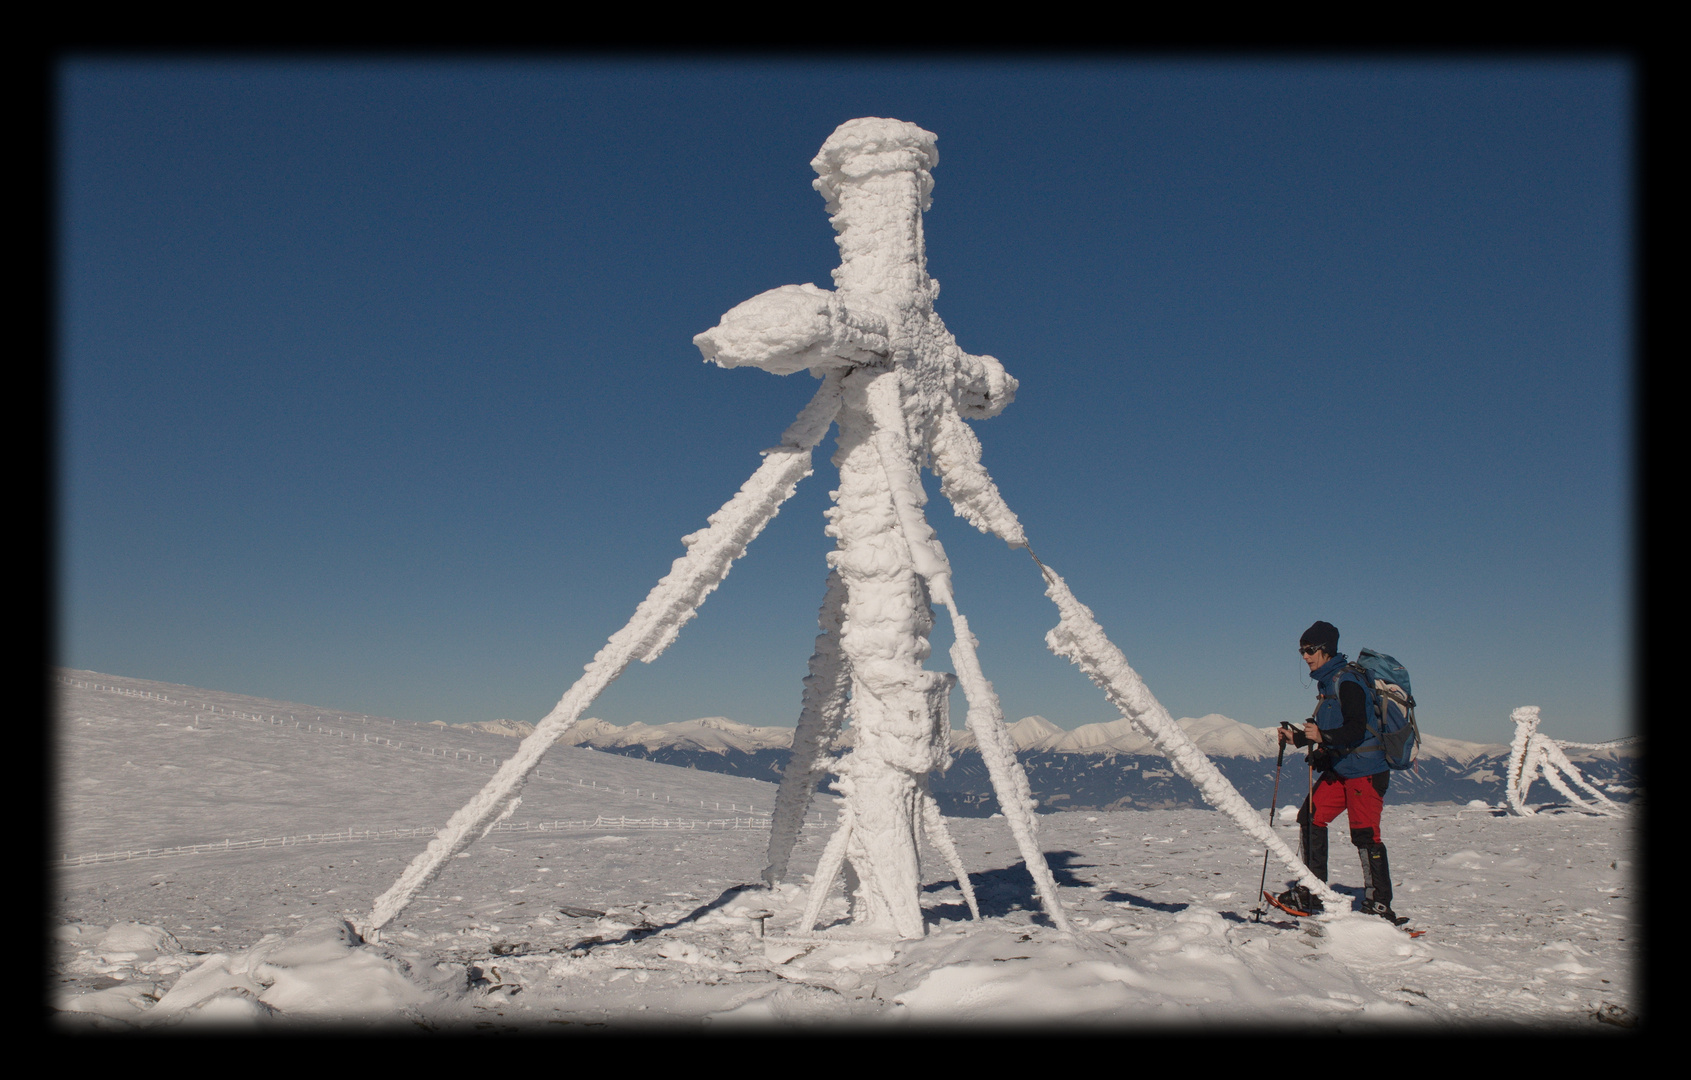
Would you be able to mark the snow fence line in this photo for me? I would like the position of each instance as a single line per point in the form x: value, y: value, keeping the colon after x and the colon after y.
x: 350, y: 835
x: 377, y: 740
x: 319, y: 728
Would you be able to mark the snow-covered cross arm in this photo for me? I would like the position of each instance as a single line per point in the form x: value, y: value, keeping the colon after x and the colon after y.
x: 794, y: 328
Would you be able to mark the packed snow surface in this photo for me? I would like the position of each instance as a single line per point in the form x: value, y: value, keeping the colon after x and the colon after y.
x: 652, y: 915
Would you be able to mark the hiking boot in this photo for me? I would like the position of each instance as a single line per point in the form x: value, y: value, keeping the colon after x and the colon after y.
x: 1384, y: 911
x: 1300, y: 901
x: 1376, y: 874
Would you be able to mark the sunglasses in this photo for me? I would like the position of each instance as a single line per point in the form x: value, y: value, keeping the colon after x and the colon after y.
x: 1310, y: 650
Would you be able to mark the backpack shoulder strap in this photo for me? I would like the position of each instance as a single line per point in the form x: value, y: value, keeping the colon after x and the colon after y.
x: 1370, y: 701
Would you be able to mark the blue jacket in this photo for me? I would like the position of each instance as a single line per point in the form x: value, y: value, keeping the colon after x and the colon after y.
x: 1364, y: 756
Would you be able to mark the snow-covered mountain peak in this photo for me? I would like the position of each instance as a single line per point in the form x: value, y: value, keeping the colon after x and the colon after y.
x: 1034, y: 732
x: 1221, y: 736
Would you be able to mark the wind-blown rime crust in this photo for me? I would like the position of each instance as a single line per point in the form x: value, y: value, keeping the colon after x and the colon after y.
x: 871, y: 146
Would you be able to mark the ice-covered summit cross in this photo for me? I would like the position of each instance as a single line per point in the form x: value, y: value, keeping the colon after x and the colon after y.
x: 899, y: 388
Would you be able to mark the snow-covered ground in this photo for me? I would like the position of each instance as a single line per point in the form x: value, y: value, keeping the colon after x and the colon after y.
x: 624, y: 892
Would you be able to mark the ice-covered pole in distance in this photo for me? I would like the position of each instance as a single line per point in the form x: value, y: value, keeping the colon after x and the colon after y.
x: 1533, y: 754
x: 1518, y: 778
x: 670, y: 604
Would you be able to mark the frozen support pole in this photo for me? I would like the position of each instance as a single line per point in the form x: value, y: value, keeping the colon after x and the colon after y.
x: 821, y: 716
x: 1078, y: 637
x: 673, y: 601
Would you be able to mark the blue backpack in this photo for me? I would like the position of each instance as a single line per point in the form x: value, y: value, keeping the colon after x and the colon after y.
x: 1391, y: 719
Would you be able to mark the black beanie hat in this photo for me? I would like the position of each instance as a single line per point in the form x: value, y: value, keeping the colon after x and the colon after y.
x: 1324, y: 634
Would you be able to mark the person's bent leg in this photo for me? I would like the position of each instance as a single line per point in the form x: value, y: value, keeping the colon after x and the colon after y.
x: 1364, y: 802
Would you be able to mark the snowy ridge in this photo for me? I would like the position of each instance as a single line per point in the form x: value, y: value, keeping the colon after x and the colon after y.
x: 713, y: 733
x: 1098, y: 766
x: 1214, y: 734
x: 577, y: 787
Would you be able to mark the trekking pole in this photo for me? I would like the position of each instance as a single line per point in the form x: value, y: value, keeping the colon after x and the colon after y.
x: 1309, y: 798
x: 1304, y: 840
x: 1273, y: 805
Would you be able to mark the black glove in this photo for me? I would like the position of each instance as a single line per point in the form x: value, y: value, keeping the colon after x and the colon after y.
x: 1299, y: 739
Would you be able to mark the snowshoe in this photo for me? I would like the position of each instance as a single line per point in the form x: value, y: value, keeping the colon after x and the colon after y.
x: 1297, y: 900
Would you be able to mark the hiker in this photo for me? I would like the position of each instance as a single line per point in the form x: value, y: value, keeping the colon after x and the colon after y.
x: 1353, y: 774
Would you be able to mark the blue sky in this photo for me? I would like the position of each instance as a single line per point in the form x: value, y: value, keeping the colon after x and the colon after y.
x: 377, y: 388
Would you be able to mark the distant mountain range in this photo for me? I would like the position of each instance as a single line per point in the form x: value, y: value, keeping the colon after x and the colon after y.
x: 1108, y: 766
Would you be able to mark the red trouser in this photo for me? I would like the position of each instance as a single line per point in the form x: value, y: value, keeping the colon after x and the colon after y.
x: 1356, y: 796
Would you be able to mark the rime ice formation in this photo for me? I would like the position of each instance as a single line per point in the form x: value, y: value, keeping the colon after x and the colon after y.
x: 905, y: 387
x: 1533, y: 754
x: 899, y: 389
